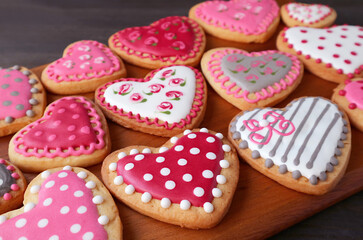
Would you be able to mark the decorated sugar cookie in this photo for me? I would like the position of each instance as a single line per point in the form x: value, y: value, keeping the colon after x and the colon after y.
x: 189, y: 181
x: 170, y: 40
x: 85, y: 65
x: 308, y: 15
x: 349, y: 96
x: 166, y: 102
x: 333, y: 54
x: 305, y: 146
x: 73, y: 131
x: 22, y: 99
x: 238, y: 20
x: 64, y: 204
x: 248, y: 80
x: 12, y: 186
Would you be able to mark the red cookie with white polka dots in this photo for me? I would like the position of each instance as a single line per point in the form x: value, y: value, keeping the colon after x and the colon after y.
x: 189, y: 181
x: 333, y: 54
x: 12, y: 186
x: 73, y: 131
x: 64, y: 204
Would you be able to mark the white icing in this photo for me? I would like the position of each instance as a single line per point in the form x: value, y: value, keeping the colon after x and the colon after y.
x: 185, y: 204
x: 118, y: 180
x: 146, y: 197
x: 208, y: 207
x: 216, y: 192
x: 103, y: 220
x: 307, y: 13
x: 165, y: 202
x: 348, y: 45
x: 327, y: 150
x: 221, y: 179
x: 180, y: 108
x: 224, y: 163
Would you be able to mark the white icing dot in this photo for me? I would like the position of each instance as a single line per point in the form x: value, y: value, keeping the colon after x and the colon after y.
x: 226, y: 148
x: 43, y: 223
x: 211, y: 139
x: 134, y: 151
x: 187, y: 132
x: 139, y: 157
x: 163, y: 149
x: 64, y: 210
x: 98, y: 199
x: 88, y: 236
x: 121, y: 155
x: 165, y: 171
x: 182, y: 162
x: 208, y: 207
x: 75, y: 228
x: 170, y: 185
x: 35, y: 189
x: 49, y: 184
x: 78, y: 193
x: 185, y: 204
x: 69, y: 168
x: 194, y: 151
x: 187, y: 177
x: 62, y: 175
x: 23, y: 238
x: 47, y: 201
x: 264, y: 123
x: 82, y: 174
x: 64, y: 187
x: 54, y: 237
x: 179, y: 148
x: 198, y: 191
x: 146, y: 197
x: 207, y: 174
x: 146, y: 150
x: 219, y: 135
x: 45, y: 174
x: 129, y: 189
x: 221, y: 179
x: 28, y: 207
x: 174, y: 139
x: 148, y: 177
x: 90, y: 184
x: 165, y: 203
x: 2, y: 219
x: 112, y: 166
x: 216, y: 192
x: 103, y: 220
x: 20, y: 223
x: 224, y: 163
x: 160, y: 159
x: 129, y: 166
x: 211, y: 156
x: 118, y: 180
x: 192, y: 136
x: 82, y: 209
x: 203, y: 130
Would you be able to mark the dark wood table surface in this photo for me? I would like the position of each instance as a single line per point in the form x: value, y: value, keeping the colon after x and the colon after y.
x: 35, y: 32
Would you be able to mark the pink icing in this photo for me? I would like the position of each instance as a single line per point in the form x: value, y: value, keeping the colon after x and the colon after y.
x: 14, y: 93
x: 354, y: 93
x: 250, y: 17
x: 84, y: 60
x: 172, y: 169
x: 214, y: 67
x: 68, y: 214
x: 196, y: 107
x: 66, y: 125
x: 168, y: 39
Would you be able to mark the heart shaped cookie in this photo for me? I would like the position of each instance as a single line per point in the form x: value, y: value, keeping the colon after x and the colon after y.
x: 73, y: 131
x: 238, y: 20
x: 349, y: 96
x: 170, y: 40
x: 12, y: 186
x: 64, y: 204
x: 308, y: 15
x: 305, y: 146
x: 22, y: 99
x: 85, y: 65
x: 248, y: 80
x: 168, y: 101
x: 189, y: 181
x: 333, y: 54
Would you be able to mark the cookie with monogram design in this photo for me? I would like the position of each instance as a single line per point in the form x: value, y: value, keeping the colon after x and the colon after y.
x: 12, y: 186
x: 307, y: 15
x: 304, y: 146
x: 166, y: 102
x: 85, y: 65
x: 170, y: 40
x: 22, y: 99
x: 250, y: 80
x: 238, y: 20
x: 68, y: 203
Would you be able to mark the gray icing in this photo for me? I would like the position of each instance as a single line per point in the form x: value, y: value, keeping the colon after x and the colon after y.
x: 6, y: 180
x: 296, y: 174
x: 243, y: 145
x: 329, y: 167
x: 334, y: 161
x: 269, y: 69
x: 14, y: 93
x: 269, y: 163
x: 340, y: 144
x: 9, y: 119
x: 313, y: 180
x: 255, y: 154
x: 33, y: 101
x: 26, y: 72
x: 343, y: 136
x: 19, y: 107
x: 16, y: 67
x: 338, y: 152
x: 7, y: 103
x: 282, y: 169
x: 30, y: 113
x: 32, y: 81
x: 236, y: 135
x: 323, y: 176
x: 34, y: 90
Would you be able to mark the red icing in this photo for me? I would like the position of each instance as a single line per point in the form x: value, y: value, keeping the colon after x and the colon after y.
x: 195, y: 166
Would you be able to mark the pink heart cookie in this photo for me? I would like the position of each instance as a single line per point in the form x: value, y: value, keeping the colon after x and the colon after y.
x: 22, y: 99
x: 72, y: 131
x: 85, y: 65
x: 238, y: 20
x: 170, y: 40
x: 189, y: 181
x: 168, y: 101
x: 64, y: 204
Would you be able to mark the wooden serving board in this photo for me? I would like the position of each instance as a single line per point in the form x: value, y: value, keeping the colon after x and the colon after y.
x: 260, y: 207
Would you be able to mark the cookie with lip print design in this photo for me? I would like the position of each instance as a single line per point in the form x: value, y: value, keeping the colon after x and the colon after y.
x: 188, y: 181
x: 12, y: 186
x: 166, y: 102
x: 170, y: 40
x: 68, y: 203
x: 85, y: 65
x: 22, y: 99
x: 73, y: 131
x: 238, y: 20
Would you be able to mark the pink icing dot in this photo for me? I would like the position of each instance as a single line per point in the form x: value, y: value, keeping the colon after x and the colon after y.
x: 360, y: 36
x: 352, y: 106
x: 72, y: 137
x: 57, y: 123
x: 329, y: 31
x: 322, y: 38
x: 357, y: 44
x: 7, y: 196
x: 343, y: 36
x: 61, y: 110
x: 353, y: 53
x: 336, y: 55
x: 75, y: 116
x: 71, y: 128
x: 320, y: 47
x: 303, y: 31
x: 2, y: 161
x: 85, y: 130
x: 347, y: 61
x: 338, y: 44
x: 73, y: 105
x: 342, y: 92
x: 345, y: 29
x: 14, y: 187
x: 304, y: 41
x: 52, y: 137
x: 15, y: 175
x: 38, y: 133
x: 10, y: 167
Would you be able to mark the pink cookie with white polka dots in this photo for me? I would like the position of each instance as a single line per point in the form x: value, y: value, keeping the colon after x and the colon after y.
x: 189, y: 181
x: 333, y: 54
x: 64, y: 204
x: 73, y: 131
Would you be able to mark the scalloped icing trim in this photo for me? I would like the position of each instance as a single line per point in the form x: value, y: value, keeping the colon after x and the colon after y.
x: 306, y: 5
